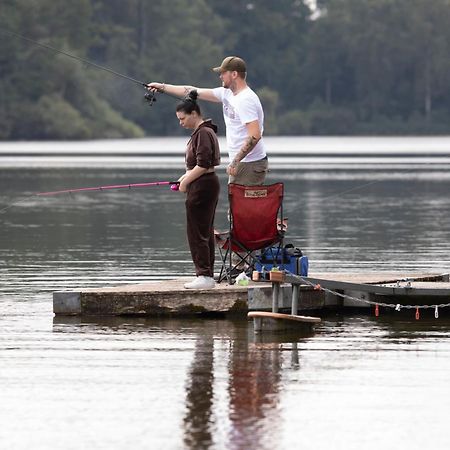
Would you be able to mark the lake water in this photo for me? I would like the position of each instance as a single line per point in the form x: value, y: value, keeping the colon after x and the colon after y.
x: 357, y: 382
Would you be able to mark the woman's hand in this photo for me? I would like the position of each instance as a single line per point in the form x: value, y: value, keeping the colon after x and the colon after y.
x: 190, y: 176
x: 183, y: 186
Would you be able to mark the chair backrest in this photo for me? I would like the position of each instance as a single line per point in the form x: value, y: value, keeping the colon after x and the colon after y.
x: 254, y: 211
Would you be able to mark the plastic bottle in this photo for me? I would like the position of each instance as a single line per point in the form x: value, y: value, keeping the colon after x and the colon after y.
x: 242, y: 279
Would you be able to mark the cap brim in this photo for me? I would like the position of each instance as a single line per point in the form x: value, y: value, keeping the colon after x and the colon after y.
x: 217, y: 69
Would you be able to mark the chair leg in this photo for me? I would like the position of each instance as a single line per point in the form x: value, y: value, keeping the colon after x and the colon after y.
x: 223, y: 257
x: 230, y: 253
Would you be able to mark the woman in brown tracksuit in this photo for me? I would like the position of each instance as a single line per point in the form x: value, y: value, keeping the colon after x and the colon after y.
x: 201, y: 185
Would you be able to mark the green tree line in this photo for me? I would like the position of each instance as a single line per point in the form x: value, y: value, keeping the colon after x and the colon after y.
x: 345, y: 67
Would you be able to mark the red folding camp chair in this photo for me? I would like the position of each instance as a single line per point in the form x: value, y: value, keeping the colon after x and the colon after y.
x: 256, y: 223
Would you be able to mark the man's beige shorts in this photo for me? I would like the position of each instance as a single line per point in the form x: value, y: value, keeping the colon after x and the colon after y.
x: 250, y: 173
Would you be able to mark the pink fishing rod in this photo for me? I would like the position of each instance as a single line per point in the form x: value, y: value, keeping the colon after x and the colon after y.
x: 174, y: 186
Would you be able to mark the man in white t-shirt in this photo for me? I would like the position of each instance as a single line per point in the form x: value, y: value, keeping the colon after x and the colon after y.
x: 244, y: 120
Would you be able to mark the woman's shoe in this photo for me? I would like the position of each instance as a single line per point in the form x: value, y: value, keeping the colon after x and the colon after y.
x: 201, y: 282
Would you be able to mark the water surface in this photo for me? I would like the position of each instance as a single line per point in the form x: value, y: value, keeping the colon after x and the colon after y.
x: 357, y: 382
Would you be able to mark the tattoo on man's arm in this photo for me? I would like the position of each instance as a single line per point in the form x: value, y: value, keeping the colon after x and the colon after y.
x: 248, y: 146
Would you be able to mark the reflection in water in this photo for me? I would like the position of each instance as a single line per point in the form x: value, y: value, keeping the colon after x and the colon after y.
x: 250, y: 371
x: 295, y: 361
x: 199, y: 396
x: 253, y: 391
x: 252, y: 383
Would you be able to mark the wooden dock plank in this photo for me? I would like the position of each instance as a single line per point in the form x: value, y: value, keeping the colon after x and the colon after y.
x: 270, y: 321
x: 292, y: 317
x: 383, y: 287
x: 381, y: 277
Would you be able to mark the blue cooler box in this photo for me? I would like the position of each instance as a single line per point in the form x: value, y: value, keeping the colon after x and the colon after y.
x: 272, y: 256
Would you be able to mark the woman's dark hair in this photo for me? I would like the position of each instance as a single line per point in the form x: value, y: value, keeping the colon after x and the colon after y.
x: 189, y: 103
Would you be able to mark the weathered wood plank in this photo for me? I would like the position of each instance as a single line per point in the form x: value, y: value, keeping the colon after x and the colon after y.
x: 280, y: 316
x: 271, y: 321
x: 413, y: 288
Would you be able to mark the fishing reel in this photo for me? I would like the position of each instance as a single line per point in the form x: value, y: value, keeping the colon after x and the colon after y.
x: 150, y: 97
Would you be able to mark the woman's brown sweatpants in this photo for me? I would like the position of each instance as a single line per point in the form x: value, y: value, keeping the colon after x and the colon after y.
x: 201, y: 201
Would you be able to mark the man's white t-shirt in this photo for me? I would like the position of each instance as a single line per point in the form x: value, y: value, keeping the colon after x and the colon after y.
x: 239, y: 110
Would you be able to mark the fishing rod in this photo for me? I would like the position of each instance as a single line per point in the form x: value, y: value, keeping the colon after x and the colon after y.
x: 150, y: 95
x: 174, y: 186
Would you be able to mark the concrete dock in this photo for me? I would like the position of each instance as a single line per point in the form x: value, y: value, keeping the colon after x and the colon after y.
x: 169, y: 297
x: 166, y: 297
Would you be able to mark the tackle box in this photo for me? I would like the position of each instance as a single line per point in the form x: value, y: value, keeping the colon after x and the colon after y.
x: 289, y: 259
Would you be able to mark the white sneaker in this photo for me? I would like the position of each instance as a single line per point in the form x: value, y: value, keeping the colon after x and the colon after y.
x: 201, y: 282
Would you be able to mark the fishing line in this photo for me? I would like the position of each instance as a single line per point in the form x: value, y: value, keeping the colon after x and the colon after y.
x: 361, y: 186
x: 370, y: 183
x: 17, y: 202
x: 150, y: 95
x: 174, y: 186
x: 78, y: 58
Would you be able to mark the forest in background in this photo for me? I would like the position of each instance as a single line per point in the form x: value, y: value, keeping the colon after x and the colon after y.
x: 347, y: 67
